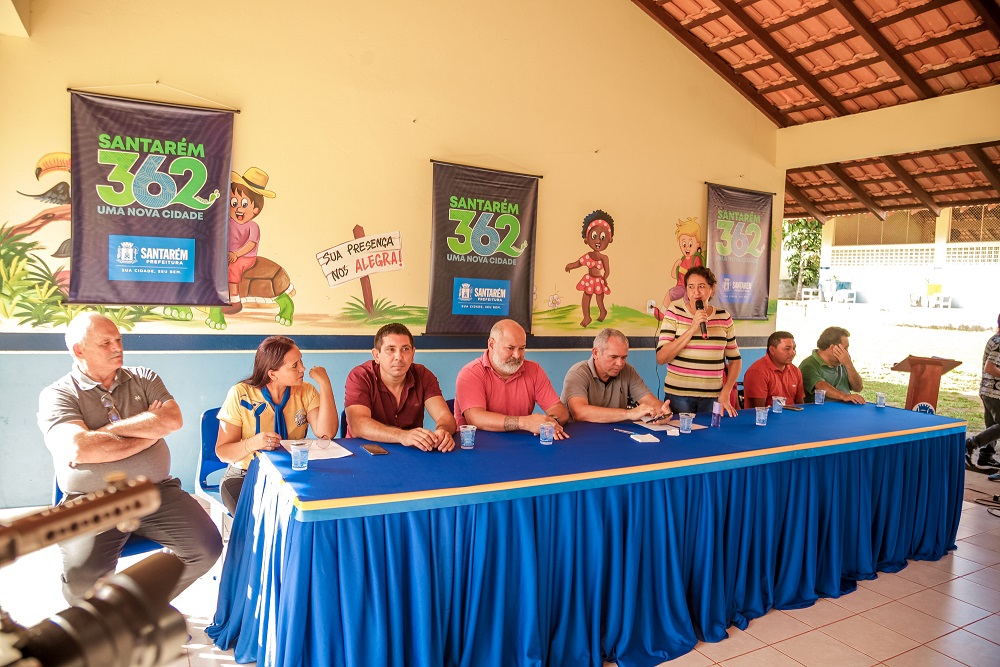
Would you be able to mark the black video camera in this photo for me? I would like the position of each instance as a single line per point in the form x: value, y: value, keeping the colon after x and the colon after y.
x: 128, y: 621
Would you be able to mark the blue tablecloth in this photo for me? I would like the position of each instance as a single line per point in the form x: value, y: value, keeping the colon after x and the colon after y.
x: 596, y: 548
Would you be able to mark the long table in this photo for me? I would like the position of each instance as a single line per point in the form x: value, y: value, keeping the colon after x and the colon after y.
x: 595, y: 548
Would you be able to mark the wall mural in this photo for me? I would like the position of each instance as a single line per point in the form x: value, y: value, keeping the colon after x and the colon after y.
x: 34, y: 279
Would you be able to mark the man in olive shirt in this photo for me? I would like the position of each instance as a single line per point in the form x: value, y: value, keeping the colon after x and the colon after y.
x: 103, y: 417
x: 601, y: 388
x: 830, y: 368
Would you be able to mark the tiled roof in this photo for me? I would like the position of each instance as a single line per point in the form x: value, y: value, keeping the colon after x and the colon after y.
x: 800, y: 61
x: 931, y: 180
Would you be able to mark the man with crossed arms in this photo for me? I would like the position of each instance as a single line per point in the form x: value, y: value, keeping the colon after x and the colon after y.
x: 102, y: 418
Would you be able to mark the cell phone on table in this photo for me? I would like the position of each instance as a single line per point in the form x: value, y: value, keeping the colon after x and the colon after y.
x: 375, y: 450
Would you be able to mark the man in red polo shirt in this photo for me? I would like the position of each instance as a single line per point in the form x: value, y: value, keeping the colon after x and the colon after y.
x: 774, y: 374
x: 499, y: 390
x: 385, y: 398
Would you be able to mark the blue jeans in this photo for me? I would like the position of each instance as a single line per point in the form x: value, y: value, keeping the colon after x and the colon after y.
x: 680, y: 403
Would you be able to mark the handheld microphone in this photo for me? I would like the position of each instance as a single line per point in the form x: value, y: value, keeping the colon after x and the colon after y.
x: 700, y: 305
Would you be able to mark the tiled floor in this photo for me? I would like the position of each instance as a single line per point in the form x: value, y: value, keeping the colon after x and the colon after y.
x: 931, y: 614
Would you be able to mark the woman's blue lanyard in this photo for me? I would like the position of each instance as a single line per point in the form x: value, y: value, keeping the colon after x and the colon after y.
x: 279, y: 415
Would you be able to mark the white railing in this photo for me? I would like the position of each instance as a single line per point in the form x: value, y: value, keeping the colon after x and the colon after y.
x: 908, y: 254
x: 972, y: 253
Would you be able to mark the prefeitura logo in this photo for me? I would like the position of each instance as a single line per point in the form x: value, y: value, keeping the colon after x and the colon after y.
x: 127, y: 253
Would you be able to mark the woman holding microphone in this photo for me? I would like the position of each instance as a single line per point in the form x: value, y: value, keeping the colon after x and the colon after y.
x: 696, y: 340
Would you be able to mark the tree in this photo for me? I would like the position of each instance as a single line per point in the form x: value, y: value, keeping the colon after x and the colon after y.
x: 802, y: 239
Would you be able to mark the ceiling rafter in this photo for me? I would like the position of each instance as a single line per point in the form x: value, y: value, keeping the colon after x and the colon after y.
x: 911, y: 184
x: 986, y: 166
x: 958, y: 67
x: 804, y: 202
x: 882, y: 47
x: 801, y: 61
x: 858, y: 64
x: 730, y: 43
x: 911, y: 12
x: 824, y: 43
x: 989, y: 11
x: 961, y: 33
x: 871, y: 90
x: 798, y: 18
x: 707, y: 18
x: 718, y: 65
x: 855, y: 189
x: 762, y: 37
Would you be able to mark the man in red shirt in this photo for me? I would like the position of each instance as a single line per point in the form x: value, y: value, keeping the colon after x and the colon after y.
x: 499, y: 390
x: 385, y: 398
x: 774, y: 374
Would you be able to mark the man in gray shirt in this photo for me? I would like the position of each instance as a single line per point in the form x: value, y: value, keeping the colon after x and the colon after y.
x: 101, y: 418
x: 601, y: 388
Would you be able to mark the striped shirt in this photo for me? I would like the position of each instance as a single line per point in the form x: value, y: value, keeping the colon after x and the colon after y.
x: 698, y: 368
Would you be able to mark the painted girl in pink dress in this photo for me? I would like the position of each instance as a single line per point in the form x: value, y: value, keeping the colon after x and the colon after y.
x: 598, y: 233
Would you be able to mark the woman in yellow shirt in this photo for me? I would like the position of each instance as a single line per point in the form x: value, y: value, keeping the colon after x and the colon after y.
x: 271, y: 405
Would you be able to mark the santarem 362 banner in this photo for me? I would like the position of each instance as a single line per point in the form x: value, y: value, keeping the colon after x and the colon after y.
x: 483, y: 249
x: 150, y: 202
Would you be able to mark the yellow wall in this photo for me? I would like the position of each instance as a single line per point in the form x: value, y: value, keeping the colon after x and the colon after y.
x: 345, y: 103
x: 970, y: 117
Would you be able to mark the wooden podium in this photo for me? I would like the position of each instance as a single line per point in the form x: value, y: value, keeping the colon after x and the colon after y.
x: 925, y: 380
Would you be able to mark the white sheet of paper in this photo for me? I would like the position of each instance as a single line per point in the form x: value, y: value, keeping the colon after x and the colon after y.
x: 655, y: 426
x: 320, y: 449
x: 644, y: 437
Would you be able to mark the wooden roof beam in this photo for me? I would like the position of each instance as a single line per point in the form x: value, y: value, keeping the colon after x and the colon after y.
x: 911, y: 184
x: 989, y: 10
x: 715, y: 62
x: 961, y: 33
x: 990, y: 170
x: 855, y: 189
x: 913, y: 11
x: 791, y: 63
x: 882, y: 47
x: 804, y: 202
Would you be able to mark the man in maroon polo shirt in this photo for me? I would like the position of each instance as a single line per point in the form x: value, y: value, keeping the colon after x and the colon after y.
x: 774, y: 374
x: 499, y: 390
x: 385, y: 398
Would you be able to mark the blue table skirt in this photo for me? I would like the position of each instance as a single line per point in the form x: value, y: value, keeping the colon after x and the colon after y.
x: 635, y: 573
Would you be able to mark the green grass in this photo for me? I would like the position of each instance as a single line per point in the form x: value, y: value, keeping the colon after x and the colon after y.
x: 383, y: 312
x: 568, y: 317
x: 950, y: 403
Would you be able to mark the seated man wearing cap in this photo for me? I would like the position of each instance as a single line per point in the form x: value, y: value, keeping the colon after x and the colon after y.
x: 385, y: 398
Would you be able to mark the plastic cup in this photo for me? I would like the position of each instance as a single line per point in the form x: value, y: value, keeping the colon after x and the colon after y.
x: 467, y: 436
x: 300, y: 455
x: 879, y: 399
x: 777, y: 403
x: 820, y: 397
x: 687, y: 419
x: 762, y: 416
x: 546, y: 433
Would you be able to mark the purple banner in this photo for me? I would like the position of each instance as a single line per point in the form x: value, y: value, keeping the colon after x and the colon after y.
x: 739, y: 249
x: 150, y: 202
